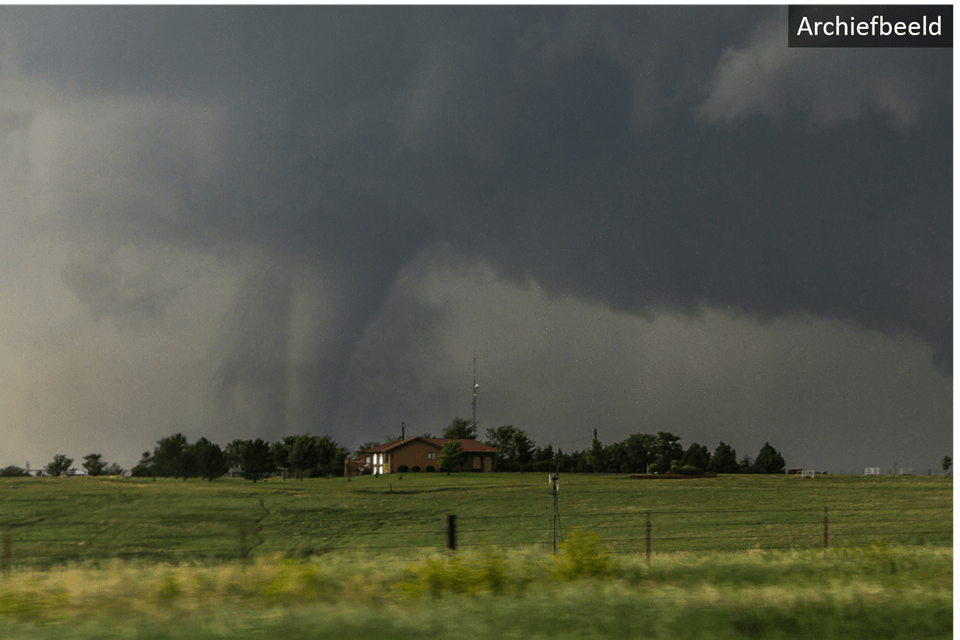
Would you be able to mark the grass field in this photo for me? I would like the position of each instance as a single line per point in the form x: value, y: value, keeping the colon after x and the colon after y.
x: 54, y: 520
x: 734, y: 556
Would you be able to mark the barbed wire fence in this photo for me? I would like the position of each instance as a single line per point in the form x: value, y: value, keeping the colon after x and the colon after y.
x: 638, y: 531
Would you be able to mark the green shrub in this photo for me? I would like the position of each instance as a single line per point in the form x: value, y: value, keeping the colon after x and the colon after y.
x: 690, y: 470
x: 582, y: 557
x: 404, y: 468
x: 431, y: 468
x: 880, y: 555
x: 654, y: 468
x: 416, y: 468
x: 456, y: 574
x: 169, y: 589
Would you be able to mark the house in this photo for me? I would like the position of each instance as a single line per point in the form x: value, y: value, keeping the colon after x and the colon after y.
x: 424, y: 454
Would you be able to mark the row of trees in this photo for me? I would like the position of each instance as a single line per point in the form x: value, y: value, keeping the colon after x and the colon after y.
x: 638, y: 453
x: 319, y: 456
x: 302, y: 456
x: 61, y: 465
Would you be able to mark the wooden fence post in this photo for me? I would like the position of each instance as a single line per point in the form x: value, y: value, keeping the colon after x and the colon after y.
x: 452, y: 532
x: 6, y: 553
x: 826, y: 536
x: 648, y: 537
x: 243, y: 546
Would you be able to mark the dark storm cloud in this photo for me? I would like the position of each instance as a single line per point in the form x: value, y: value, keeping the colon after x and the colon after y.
x: 108, y: 292
x: 631, y: 156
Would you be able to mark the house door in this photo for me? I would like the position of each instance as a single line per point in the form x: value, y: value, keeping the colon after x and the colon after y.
x: 476, y: 462
x: 488, y: 464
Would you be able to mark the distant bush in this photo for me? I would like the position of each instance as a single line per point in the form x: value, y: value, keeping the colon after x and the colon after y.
x: 431, y: 468
x: 654, y: 468
x: 690, y: 470
x: 544, y: 465
x: 13, y: 472
x: 404, y: 468
x: 415, y: 468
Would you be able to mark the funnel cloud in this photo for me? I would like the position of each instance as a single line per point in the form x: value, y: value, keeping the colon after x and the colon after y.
x: 240, y: 222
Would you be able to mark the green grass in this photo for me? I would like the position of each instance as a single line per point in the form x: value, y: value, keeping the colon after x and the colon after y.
x: 55, y: 520
x: 881, y: 591
x: 734, y: 556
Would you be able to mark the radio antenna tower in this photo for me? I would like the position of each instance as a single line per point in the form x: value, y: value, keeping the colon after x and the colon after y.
x: 475, y: 387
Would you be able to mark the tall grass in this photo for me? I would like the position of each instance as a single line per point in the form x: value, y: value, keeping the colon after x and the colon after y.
x: 884, y: 590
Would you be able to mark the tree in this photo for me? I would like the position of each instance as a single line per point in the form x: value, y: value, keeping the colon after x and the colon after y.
x: 451, y: 456
x: 595, y: 457
x: 256, y: 461
x: 544, y: 454
x: 523, y: 447
x: 745, y: 465
x: 637, y: 452
x: 13, y: 471
x: 280, y: 452
x: 460, y: 428
x: 59, y: 466
x: 330, y: 457
x: 724, y: 459
x: 94, y: 464
x: 947, y: 463
x: 144, y: 468
x: 234, y: 452
x: 113, y: 469
x: 502, y: 439
x: 167, y: 461
x: 665, y: 448
x: 186, y: 464
x: 304, y: 455
x: 210, y: 461
x: 768, y: 460
x: 697, y: 456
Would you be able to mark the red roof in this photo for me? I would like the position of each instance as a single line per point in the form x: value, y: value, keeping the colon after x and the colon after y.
x: 468, y: 446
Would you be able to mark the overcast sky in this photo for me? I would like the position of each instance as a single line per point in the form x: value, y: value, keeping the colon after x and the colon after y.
x: 240, y: 222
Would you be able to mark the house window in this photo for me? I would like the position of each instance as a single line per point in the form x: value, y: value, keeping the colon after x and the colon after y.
x: 431, y: 456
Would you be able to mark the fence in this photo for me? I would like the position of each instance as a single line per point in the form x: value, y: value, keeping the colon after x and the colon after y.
x: 628, y: 532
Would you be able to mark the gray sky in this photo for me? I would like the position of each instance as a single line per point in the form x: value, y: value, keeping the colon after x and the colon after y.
x: 240, y: 222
